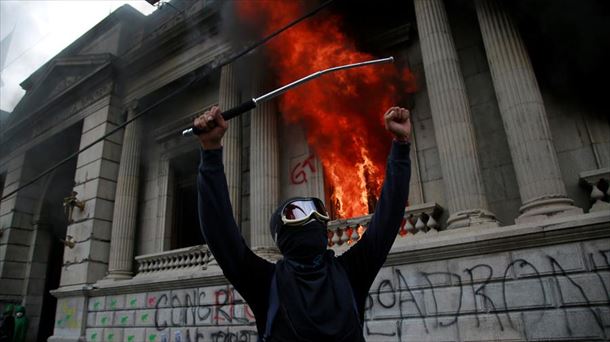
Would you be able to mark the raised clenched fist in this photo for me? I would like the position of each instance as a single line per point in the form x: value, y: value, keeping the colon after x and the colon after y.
x: 213, y: 126
x: 398, y: 121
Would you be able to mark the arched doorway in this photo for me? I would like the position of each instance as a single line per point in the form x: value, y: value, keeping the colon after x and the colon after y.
x: 49, y: 225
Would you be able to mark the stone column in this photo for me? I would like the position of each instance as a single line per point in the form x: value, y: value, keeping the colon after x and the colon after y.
x: 264, y: 174
x: 451, y: 115
x: 229, y: 98
x: 16, y: 216
x: 95, y: 182
x: 125, y: 203
x: 541, y: 187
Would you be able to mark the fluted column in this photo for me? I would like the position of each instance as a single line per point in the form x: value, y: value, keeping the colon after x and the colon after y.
x: 451, y: 115
x: 541, y: 187
x: 125, y: 203
x: 264, y: 173
x: 229, y: 98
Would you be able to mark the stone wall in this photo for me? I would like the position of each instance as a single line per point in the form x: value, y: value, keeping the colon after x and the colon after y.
x: 516, y: 282
x: 155, y: 221
x: 525, y: 294
x: 523, y: 282
x: 300, y: 169
x: 497, y: 167
x: 581, y: 139
x: 215, y: 313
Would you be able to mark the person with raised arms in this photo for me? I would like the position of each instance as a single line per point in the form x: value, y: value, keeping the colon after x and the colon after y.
x: 310, y: 294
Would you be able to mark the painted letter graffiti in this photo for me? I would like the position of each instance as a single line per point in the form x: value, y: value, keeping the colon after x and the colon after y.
x: 298, y: 174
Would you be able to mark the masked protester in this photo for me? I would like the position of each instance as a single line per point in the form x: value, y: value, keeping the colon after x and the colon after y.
x: 7, y: 326
x: 310, y: 294
x: 21, y: 324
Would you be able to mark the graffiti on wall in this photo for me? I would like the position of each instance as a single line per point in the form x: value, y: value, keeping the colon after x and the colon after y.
x: 299, y: 172
x: 199, y: 334
x: 192, y: 309
x: 403, y: 299
x: 67, y: 316
x: 185, y: 315
x: 396, y: 297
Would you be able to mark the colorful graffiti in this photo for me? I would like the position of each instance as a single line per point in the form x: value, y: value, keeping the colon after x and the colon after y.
x: 67, y: 317
x: 509, y: 296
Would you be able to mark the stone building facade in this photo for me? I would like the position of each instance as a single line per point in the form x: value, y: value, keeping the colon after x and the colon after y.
x: 506, y: 236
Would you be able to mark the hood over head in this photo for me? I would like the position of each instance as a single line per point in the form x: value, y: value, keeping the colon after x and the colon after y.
x: 8, y: 309
x: 302, y: 243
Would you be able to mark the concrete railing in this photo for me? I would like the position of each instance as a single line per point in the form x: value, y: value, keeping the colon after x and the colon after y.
x: 596, y: 182
x: 418, y: 219
x: 195, y: 257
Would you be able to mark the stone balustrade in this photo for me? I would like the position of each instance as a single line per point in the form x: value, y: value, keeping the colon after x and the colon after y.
x: 189, y: 258
x: 596, y: 182
x: 418, y: 219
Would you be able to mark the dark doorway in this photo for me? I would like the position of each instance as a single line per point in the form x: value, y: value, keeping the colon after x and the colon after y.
x: 50, y: 223
x: 2, y: 178
x: 186, y: 232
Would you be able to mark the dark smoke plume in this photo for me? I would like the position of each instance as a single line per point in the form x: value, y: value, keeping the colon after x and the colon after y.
x: 569, y: 45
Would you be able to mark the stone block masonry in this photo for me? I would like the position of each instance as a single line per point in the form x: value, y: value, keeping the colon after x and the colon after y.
x: 559, y: 291
x: 521, y: 295
x: 175, y: 315
x: 96, y: 175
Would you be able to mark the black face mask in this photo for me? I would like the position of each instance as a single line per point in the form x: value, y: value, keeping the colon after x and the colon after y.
x: 303, y: 243
x: 314, y: 291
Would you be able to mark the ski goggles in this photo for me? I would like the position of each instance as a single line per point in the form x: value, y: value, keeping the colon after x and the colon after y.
x: 300, y: 210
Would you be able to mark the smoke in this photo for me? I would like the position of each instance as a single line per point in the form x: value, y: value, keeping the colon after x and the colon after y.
x: 243, y: 32
x: 341, y: 112
x: 568, y: 45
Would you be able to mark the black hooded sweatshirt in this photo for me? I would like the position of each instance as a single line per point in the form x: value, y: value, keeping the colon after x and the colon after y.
x: 251, y: 275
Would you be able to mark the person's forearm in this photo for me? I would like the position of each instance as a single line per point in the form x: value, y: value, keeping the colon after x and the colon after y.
x: 389, y: 212
x: 395, y: 191
x: 215, y: 213
x: 364, y: 260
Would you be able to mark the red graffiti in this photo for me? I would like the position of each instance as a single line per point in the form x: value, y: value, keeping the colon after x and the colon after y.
x: 152, y: 300
x: 298, y: 174
x: 220, y: 314
x: 249, y: 312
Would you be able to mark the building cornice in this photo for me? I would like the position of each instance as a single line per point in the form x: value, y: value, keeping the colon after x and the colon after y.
x: 124, y: 13
x: 15, y: 127
x: 20, y: 137
x: 170, y: 281
x: 450, y: 244
x: 178, y: 33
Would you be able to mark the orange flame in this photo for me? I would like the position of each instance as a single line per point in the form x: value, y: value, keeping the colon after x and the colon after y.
x: 340, y: 112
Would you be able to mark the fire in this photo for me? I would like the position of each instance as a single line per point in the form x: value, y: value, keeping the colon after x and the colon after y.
x: 341, y: 112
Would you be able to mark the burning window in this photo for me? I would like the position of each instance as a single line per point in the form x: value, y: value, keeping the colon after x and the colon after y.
x: 342, y: 112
